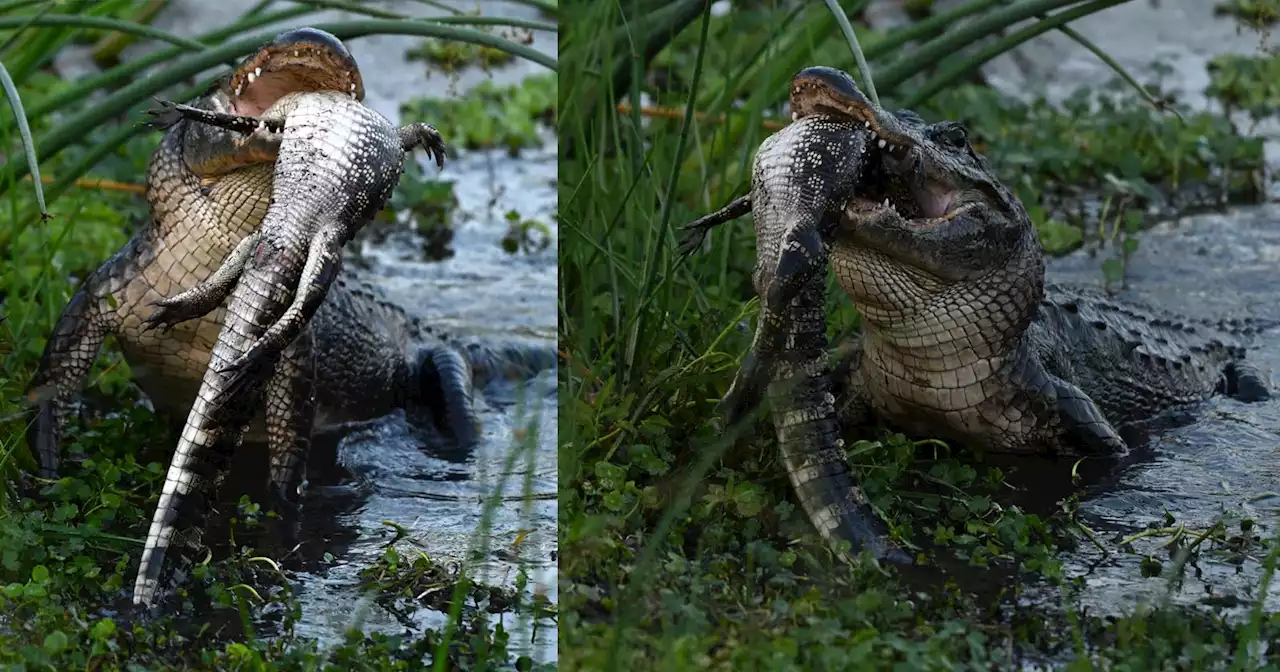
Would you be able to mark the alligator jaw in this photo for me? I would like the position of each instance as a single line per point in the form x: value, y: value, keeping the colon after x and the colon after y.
x: 895, y: 179
x: 305, y: 59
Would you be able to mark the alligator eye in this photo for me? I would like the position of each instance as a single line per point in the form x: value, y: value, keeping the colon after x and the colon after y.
x: 954, y: 135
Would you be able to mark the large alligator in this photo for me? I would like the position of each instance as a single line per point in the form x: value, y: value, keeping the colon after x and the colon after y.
x: 207, y: 194
x: 962, y: 339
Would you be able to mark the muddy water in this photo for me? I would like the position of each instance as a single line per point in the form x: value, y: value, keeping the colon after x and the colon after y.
x: 398, y: 475
x: 1221, y: 459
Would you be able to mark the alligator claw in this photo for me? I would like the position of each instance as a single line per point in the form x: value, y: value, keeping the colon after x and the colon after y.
x: 425, y: 136
x: 169, y: 314
x: 744, y: 392
x: 166, y: 115
x: 241, y: 363
x: 697, y: 230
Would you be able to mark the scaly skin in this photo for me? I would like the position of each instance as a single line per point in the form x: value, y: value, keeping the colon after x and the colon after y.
x: 961, y: 338
x: 209, y: 189
x: 337, y: 164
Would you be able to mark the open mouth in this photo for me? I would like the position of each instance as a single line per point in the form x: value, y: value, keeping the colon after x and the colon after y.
x: 897, y: 183
x: 299, y: 60
x: 894, y: 177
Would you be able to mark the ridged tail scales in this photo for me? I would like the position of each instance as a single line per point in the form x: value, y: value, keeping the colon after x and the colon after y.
x: 337, y: 166
x: 802, y: 406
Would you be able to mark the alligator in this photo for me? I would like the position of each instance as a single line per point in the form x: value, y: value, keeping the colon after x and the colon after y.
x: 208, y: 189
x: 337, y: 163
x: 962, y: 338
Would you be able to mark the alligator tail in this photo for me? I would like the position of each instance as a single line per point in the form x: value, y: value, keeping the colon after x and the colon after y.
x: 448, y: 374
x: 186, y: 475
x: 445, y: 381
x: 804, y: 418
x: 510, y: 360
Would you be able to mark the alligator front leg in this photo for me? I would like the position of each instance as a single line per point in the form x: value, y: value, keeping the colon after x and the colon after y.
x: 803, y: 257
x: 68, y: 356
x: 206, y: 296
x: 324, y: 261
x: 1081, y: 427
x: 697, y: 230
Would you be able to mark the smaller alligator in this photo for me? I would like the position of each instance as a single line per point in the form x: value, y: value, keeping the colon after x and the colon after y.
x: 962, y: 339
x: 337, y: 164
x: 792, y: 213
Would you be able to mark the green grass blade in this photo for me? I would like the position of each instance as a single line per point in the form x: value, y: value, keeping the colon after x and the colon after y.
x: 660, y: 240
x: 28, y: 143
x: 958, y: 68
x: 104, y: 23
x: 1117, y: 68
x: 863, y: 69
x: 936, y: 51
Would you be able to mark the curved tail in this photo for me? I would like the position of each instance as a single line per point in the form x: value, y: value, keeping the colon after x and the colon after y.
x: 448, y: 374
x: 804, y: 418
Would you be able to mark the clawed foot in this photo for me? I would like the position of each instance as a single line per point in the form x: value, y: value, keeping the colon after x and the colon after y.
x: 170, y: 313
x: 425, y: 136
x: 166, y: 115
x: 250, y: 358
x: 697, y: 230
x: 241, y: 376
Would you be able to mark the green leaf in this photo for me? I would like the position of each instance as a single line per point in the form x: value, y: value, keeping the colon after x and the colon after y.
x: 55, y: 642
x: 103, y: 629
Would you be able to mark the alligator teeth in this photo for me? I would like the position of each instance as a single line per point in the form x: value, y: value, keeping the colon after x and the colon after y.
x: 886, y: 203
x: 353, y: 87
x: 239, y: 88
x: 295, y: 53
x: 795, y: 116
x: 252, y: 77
x: 892, y: 149
x: 881, y: 143
x: 866, y: 124
x: 257, y: 72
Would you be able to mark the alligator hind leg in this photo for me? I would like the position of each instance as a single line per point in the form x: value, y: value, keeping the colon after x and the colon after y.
x: 802, y: 258
x: 206, y: 296
x: 289, y: 399
x: 1246, y: 381
x: 324, y: 261
x: 1083, y: 425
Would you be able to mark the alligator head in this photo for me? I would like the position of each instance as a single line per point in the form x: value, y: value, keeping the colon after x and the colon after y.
x: 928, y: 219
x: 299, y: 60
